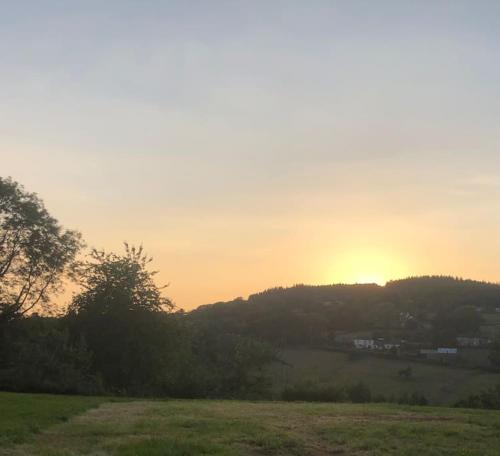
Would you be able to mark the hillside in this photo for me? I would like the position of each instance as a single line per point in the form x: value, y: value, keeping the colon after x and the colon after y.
x: 429, y: 311
x: 235, y: 428
x: 440, y: 328
x: 316, y: 369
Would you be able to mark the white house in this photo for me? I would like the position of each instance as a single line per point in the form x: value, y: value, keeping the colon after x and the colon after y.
x: 390, y: 346
x: 434, y: 352
x: 463, y: 341
x: 364, y: 344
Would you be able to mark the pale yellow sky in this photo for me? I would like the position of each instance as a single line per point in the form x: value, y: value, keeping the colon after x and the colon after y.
x: 256, y: 144
x: 357, y: 222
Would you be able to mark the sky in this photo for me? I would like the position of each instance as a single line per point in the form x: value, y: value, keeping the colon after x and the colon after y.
x: 252, y: 144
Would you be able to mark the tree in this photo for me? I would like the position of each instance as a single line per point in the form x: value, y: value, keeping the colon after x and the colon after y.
x: 124, y: 319
x: 466, y: 320
x: 115, y: 282
x: 406, y: 373
x: 39, y: 356
x: 360, y: 392
x: 35, y: 251
x: 231, y: 365
x: 486, y: 399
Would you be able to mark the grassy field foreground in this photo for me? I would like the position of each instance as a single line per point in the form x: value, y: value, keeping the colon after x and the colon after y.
x: 57, y: 425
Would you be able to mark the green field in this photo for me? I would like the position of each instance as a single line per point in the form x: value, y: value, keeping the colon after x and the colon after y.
x: 65, y: 426
x: 23, y: 415
x: 442, y: 385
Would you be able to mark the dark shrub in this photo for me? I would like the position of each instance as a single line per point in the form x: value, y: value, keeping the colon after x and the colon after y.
x: 360, y: 392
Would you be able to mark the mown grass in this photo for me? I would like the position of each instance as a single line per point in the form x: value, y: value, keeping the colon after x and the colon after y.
x: 231, y: 428
x: 23, y: 415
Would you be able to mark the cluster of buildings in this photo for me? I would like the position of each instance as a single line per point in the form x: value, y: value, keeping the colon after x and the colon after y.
x: 365, y: 341
x: 464, y: 341
x: 380, y: 344
x: 375, y: 344
x: 431, y: 352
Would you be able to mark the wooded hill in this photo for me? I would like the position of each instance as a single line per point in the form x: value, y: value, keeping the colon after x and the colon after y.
x: 429, y: 309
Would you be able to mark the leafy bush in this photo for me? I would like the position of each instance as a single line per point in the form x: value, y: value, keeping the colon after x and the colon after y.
x: 414, y: 398
x: 39, y: 356
x: 487, y: 399
x: 360, y: 392
x: 357, y: 393
x: 308, y: 393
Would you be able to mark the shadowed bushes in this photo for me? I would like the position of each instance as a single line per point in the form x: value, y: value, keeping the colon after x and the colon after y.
x: 487, y: 399
x: 356, y: 393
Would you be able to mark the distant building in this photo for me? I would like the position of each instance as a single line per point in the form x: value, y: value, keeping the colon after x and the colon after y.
x: 405, y: 316
x: 391, y: 346
x: 447, y: 351
x: 464, y: 341
x: 437, y: 352
x: 368, y: 344
x: 374, y: 344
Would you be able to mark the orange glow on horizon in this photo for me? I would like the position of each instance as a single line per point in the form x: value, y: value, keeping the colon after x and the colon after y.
x: 369, y: 279
x: 367, y: 266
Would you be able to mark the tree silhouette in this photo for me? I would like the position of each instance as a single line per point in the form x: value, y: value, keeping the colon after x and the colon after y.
x: 35, y: 251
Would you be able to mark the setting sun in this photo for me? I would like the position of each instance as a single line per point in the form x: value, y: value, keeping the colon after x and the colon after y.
x: 367, y: 278
x: 242, y: 164
x: 367, y: 266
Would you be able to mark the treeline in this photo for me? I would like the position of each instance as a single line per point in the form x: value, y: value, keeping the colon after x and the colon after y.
x: 135, y: 354
x: 119, y: 335
x: 356, y: 393
x: 487, y: 399
x: 426, y: 309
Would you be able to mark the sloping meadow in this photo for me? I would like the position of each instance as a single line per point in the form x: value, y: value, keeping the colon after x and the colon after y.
x: 205, y: 427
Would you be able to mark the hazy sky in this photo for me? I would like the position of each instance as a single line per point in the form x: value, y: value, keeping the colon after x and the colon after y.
x: 249, y: 144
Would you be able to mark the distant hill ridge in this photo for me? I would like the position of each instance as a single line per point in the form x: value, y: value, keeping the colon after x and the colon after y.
x: 312, y: 314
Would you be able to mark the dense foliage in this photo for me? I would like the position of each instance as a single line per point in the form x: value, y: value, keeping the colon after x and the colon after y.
x: 34, y: 251
x: 38, y: 355
x: 427, y: 309
x: 486, y: 399
x: 357, y: 393
x: 120, y: 335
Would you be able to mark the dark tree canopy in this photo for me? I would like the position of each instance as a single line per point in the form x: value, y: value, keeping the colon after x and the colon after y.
x: 35, y: 251
x: 430, y: 309
x: 122, y: 315
x: 114, y: 282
